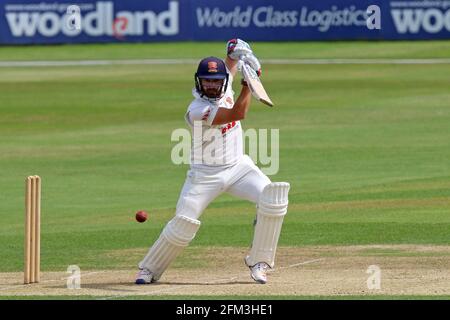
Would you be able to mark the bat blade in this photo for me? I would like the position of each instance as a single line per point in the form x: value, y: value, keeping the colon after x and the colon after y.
x: 255, y: 85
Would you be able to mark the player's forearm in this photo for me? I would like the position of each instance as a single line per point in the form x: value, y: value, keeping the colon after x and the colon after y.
x: 242, y: 104
x: 231, y: 65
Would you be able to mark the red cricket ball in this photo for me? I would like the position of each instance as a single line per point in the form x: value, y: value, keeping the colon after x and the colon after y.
x: 141, y: 216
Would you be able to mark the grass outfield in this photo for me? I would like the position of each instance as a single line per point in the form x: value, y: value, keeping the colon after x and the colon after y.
x: 264, y: 50
x: 365, y: 148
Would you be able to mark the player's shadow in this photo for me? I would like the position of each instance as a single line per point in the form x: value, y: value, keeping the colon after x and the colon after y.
x: 131, y: 287
x: 231, y: 282
x: 164, y: 283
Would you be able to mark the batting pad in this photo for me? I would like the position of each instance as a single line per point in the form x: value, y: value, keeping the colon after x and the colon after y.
x: 272, y: 207
x: 177, y: 234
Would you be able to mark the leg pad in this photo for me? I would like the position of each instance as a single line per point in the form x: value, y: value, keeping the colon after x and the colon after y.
x: 177, y: 234
x: 272, y: 207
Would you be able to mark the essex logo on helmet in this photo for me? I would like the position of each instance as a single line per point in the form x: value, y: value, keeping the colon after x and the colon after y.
x: 212, y: 66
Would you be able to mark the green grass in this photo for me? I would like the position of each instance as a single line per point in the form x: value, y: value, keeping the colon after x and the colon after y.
x: 366, y: 149
x: 336, y: 49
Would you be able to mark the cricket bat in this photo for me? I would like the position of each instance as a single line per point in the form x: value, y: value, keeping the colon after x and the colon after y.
x: 255, y: 85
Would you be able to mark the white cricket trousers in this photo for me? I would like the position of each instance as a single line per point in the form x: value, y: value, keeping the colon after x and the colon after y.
x: 243, y: 180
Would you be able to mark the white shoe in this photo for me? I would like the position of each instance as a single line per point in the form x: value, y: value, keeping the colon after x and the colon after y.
x: 259, y: 272
x: 144, y: 276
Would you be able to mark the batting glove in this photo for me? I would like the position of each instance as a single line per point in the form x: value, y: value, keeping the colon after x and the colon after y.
x: 239, y: 65
x: 253, y: 62
x: 237, y: 48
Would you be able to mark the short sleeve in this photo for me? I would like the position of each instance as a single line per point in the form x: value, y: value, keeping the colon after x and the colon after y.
x: 202, y: 112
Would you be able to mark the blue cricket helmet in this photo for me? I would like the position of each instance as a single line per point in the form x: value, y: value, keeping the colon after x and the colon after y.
x: 211, y: 68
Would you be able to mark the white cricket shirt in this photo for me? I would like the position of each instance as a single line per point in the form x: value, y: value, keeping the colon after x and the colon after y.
x: 215, y: 146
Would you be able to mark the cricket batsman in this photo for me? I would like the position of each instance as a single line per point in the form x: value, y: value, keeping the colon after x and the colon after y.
x: 216, y: 115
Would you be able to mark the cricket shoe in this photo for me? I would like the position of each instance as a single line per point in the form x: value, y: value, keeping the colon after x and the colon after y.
x: 144, y: 276
x: 259, y: 272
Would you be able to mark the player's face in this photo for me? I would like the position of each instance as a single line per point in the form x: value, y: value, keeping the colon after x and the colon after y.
x: 212, y: 87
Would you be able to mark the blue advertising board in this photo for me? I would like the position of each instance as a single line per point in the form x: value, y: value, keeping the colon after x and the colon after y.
x: 38, y: 21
